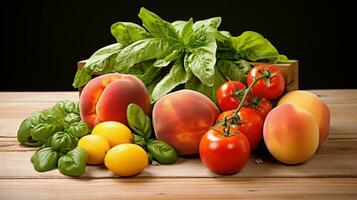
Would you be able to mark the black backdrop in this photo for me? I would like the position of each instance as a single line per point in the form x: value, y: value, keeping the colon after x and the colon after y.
x: 41, y: 41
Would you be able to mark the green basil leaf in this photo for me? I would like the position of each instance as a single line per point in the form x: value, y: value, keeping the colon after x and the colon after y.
x: 175, y: 77
x: 150, y: 74
x: 202, y: 44
x: 153, y: 84
x: 244, y: 67
x: 224, y: 42
x: 44, y: 159
x: 213, y: 23
x: 61, y: 142
x: 102, y: 61
x: 78, y: 129
x: 161, y: 151
x: 227, y: 55
x: 142, y: 50
x: 282, y: 59
x: 174, y: 55
x: 43, y: 131
x: 68, y: 106
x: 24, y: 132
x: 127, y: 32
x: 187, y: 32
x: 201, y: 63
x: 161, y: 63
x: 178, y: 25
x: 156, y: 26
x: 139, y: 140
x: 73, y: 163
x: 82, y: 77
x: 234, y: 70
x: 71, y: 118
x: 254, y: 47
x: 139, y: 121
x: 195, y: 84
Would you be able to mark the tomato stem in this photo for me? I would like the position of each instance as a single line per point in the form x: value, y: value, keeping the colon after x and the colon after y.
x: 263, y: 75
x: 242, y: 102
x: 235, y: 118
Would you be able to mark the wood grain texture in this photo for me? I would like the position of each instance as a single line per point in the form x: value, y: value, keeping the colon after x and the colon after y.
x: 178, y: 188
x: 332, y: 146
x: 330, y: 174
x: 18, y: 165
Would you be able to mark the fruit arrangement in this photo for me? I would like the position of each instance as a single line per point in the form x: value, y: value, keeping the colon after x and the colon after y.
x: 171, y: 89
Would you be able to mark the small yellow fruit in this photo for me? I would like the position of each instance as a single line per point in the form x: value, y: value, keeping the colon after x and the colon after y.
x: 115, y: 132
x: 96, y: 147
x: 126, y: 159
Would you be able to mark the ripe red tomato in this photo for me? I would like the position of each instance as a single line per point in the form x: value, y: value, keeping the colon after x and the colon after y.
x: 224, y: 154
x: 263, y: 89
x: 261, y: 106
x: 229, y: 95
x: 250, y: 124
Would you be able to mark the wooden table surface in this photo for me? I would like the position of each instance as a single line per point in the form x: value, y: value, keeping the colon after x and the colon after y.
x: 331, y: 173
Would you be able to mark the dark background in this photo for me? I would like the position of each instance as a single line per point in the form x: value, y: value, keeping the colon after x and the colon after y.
x: 41, y: 41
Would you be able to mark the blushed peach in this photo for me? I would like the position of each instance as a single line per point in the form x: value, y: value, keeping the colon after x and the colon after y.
x: 291, y: 134
x: 313, y: 104
x: 181, y: 119
x: 106, y: 98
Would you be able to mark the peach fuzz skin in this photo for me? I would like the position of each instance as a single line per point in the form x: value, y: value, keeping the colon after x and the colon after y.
x: 181, y: 119
x: 106, y: 98
x: 311, y: 103
x: 291, y: 134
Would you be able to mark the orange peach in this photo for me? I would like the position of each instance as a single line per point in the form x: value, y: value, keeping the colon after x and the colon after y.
x: 106, y: 98
x: 181, y: 119
x: 291, y: 134
x: 313, y: 104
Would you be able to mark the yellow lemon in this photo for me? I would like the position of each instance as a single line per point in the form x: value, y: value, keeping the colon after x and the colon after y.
x: 115, y: 132
x: 126, y: 159
x: 96, y: 147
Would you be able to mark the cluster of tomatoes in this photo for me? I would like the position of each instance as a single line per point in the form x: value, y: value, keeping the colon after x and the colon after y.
x: 226, y: 147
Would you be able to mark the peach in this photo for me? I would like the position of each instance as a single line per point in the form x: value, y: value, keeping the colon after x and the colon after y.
x: 106, y: 98
x: 181, y: 119
x: 313, y: 104
x: 291, y: 134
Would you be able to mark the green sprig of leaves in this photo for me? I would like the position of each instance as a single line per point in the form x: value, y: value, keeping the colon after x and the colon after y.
x: 165, y: 55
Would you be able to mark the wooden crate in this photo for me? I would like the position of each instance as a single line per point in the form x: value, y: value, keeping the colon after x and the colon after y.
x: 289, y: 69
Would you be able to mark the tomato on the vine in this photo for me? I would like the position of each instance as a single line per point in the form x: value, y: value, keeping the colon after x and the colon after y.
x: 224, y: 150
x: 248, y: 122
x: 229, y: 95
x: 271, y: 89
x: 261, y: 106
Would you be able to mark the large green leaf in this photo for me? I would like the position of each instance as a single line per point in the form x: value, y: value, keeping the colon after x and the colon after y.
x: 202, y: 45
x: 102, y: 61
x: 175, y: 77
x: 234, y: 70
x: 127, y: 32
x: 210, y: 91
x: 252, y: 46
x: 157, y: 26
x: 142, y: 50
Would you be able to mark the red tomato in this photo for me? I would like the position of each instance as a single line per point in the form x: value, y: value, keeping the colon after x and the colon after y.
x: 261, y: 106
x: 224, y: 154
x: 229, y: 95
x: 250, y: 124
x: 262, y: 88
